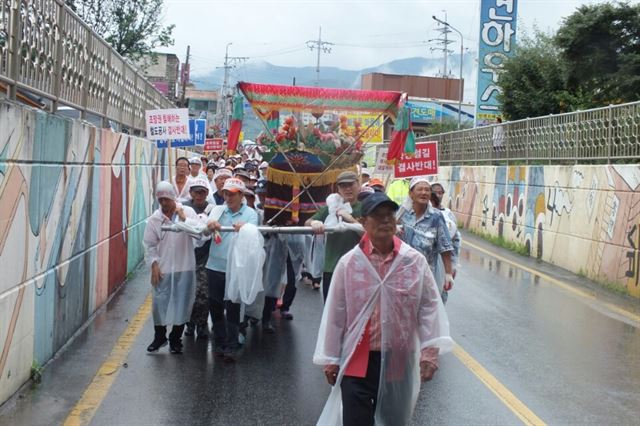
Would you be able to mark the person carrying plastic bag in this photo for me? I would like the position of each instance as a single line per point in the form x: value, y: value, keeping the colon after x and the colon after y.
x: 244, y: 266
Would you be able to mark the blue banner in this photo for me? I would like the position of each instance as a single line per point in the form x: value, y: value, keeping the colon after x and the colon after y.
x: 425, y: 112
x: 197, y: 130
x: 497, y: 42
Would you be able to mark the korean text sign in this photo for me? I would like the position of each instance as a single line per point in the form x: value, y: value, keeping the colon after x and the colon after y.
x: 423, y: 163
x: 167, y: 124
x: 196, y: 136
x: 497, y: 42
x: 211, y: 145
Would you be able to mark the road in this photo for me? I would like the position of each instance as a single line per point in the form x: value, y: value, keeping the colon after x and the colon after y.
x: 535, y: 344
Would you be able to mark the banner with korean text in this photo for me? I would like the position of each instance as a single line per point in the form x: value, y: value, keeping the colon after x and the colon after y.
x: 196, y: 136
x: 213, y: 145
x: 163, y: 124
x: 497, y: 43
x: 423, y: 163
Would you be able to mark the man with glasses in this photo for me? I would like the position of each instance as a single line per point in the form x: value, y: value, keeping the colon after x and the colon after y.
x: 182, y: 180
x: 338, y: 243
x: 382, y: 327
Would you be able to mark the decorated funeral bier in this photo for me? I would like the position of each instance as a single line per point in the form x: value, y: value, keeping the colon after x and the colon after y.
x: 309, y: 141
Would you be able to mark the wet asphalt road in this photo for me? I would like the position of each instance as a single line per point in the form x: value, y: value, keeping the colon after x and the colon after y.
x: 569, y: 360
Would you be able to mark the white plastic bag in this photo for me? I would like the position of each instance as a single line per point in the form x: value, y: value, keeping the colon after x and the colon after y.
x: 244, y: 265
x: 335, y: 203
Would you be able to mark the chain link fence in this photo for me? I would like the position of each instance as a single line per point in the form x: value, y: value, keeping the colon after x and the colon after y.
x: 608, y: 134
x: 47, y: 50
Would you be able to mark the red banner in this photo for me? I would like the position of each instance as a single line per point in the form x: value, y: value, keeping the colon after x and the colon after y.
x: 214, y: 144
x: 423, y: 163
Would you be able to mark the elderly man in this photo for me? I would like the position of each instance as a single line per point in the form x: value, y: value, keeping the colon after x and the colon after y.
x: 224, y: 313
x: 338, y: 243
x: 195, y: 168
x: 182, y: 179
x: 200, y: 313
x: 424, y: 229
x: 382, y: 327
x: 172, y: 261
x: 219, y: 179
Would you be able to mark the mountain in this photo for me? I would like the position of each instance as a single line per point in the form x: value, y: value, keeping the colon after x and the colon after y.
x: 265, y: 72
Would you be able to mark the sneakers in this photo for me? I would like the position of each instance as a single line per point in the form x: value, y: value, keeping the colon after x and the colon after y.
x: 158, y: 342
x: 175, y: 347
x: 286, y: 315
x: 203, y: 332
x: 190, y: 331
x: 267, y: 328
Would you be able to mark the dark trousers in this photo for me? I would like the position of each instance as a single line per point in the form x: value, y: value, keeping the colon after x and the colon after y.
x: 326, y: 281
x: 287, y: 299
x: 225, y: 314
x: 360, y: 395
x: 290, y: 289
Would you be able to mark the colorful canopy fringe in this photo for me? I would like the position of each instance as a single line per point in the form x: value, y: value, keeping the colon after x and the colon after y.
x: 236, y: 124
x: 403, y: 139
x: 270, y: 97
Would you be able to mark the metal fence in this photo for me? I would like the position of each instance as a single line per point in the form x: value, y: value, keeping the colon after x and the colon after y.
x: 602, y: 134
x: 47, y: 50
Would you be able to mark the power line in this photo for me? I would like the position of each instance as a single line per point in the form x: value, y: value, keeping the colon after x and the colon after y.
x: 320, y: 46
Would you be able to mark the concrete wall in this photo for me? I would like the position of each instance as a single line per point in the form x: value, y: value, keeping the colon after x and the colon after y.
x: 73, y: 201
x: 584, y: 218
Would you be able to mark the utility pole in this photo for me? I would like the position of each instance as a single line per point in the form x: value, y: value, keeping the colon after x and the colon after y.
x: 230, y: 62
x: 185, y: 77
x: 321, y: 46
x: 443, y: 41
x: 447, y: 25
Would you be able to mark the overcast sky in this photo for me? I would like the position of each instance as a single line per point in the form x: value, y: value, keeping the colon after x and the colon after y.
x: 366, y: 33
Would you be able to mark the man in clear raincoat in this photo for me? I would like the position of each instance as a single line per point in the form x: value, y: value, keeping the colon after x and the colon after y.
x: 382, y: 327
x: 172, y: 260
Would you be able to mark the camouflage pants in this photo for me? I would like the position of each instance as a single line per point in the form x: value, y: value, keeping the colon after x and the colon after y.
x: 200, y: 312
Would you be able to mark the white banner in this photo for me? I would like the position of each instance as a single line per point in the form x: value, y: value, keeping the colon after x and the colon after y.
x: 164, y: 124
x: 382, y: 167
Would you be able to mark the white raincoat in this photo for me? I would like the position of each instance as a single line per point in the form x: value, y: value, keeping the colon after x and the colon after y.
x: 173, y: 297
x: 412, y: 318
x: 184, y: 195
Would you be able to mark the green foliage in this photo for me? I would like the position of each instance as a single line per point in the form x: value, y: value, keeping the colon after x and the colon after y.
x: 36, y: 372
x: 592, y: 61
x: 132, y: 27
x: 445, y: 126
x: 513, y: 246
x: 600, y: 45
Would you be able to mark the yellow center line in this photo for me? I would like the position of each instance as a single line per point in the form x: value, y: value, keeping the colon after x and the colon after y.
x: 505, y: 395
x: 85, y: 409
x: 579, y: 292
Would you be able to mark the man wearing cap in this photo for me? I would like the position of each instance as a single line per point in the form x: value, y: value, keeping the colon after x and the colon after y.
x: 224, y: 313
x: 182, y: 180
x: 382, y: 327
x: 195, y: 167
x: 242, y: 174
x: 424, y: 229
x: 263, y: 169
x: 171, y: 258
x: 376, y: 184
x: 219, y: 179
x: 200, y: 313
x: 365, y: 175
x: 338, y: 243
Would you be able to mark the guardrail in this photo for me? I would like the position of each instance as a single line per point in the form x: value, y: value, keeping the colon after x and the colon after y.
x: 602, y: 134
x: 47, y: 50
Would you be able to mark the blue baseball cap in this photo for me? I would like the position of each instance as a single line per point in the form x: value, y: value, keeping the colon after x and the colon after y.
x: 375, y: 200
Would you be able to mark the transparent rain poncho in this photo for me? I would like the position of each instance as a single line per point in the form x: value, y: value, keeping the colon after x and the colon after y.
x: 244, y: 265
x: 412, y: 318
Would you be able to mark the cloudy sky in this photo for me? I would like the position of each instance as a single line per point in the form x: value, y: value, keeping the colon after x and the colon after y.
x: 365, y: 33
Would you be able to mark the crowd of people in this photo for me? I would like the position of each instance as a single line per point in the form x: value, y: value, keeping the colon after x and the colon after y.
x: 385, y: 274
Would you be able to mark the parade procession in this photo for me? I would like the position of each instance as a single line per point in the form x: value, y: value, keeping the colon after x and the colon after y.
x: 229, y: 247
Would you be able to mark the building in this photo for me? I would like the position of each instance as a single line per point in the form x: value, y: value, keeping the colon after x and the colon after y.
x: 162, y: 70
x: 202, y: 103
x: 414, y: 85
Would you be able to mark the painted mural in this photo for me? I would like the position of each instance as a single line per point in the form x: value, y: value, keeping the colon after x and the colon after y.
x: 585, y: 218
x: 73, y: 205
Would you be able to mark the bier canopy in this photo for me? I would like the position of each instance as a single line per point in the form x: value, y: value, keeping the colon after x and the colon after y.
x: 269, y: 97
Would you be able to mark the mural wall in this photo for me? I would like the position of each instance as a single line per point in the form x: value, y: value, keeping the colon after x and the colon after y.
x: 584, y: 218
x: 73, y: 204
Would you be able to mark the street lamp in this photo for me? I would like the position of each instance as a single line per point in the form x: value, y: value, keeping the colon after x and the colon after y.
x: 446, y: 24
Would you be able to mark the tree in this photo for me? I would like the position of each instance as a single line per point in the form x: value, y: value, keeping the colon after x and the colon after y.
x: 132, y: 27
x: 601, y: 47
x: 533, y: 81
